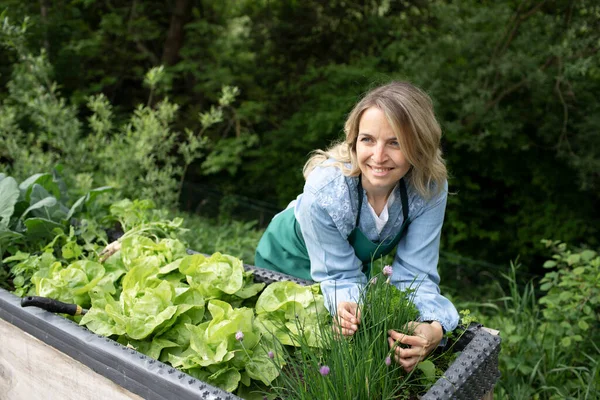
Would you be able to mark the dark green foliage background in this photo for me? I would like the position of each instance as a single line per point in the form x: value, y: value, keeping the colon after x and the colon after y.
x: 515, y: 84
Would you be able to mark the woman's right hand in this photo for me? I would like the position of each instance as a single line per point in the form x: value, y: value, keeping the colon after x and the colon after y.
x: 347, y: 318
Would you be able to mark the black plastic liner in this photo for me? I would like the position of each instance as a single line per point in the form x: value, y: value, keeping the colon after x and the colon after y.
x: 473, y: 374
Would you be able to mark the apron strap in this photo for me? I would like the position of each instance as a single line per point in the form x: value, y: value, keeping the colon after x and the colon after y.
x: 404, y: 199
x: 360, y: 196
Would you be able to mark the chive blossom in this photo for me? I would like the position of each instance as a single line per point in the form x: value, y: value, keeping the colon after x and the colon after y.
x: 239, y: 335
x: 387, y: 270
x: 324, y: 370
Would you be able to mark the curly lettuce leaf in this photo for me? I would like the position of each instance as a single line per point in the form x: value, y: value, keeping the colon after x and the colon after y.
x: 285, y: 308
x: 219, y: 276
x: 71, y: 284
x: 147, y: 306
x: 137, y: 250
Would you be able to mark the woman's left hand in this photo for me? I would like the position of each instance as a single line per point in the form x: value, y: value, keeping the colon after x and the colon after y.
x: 426, y: 337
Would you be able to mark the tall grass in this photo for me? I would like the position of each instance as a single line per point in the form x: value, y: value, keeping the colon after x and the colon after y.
x: 533, y: 362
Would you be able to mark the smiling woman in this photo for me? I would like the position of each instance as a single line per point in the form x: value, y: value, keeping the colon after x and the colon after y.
x: 381, y: 161
x: 359, y: 199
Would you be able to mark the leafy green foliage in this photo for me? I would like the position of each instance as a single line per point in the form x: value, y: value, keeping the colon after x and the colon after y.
x: 161, y: 303
x: 549, y: 347
x: 142, y: 157
x: 299, y: 67
x: 284, y: 307
x: 238, y: 238
x: 572, y: 301
x: 514, y: 84
x: 34, y: 216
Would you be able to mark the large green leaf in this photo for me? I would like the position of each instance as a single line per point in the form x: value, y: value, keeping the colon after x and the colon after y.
x: 56, y: 212
x: 7, y: 237
x: 44, y: 203
x: 86, y: 199
x: 70, y: 284
x: 46, y: 181
x: 38, y: 228
x: 27, y: 184
x: 76, y: 207
x: 428, y: 369
x: 92, y: 194
x: 9, y: 194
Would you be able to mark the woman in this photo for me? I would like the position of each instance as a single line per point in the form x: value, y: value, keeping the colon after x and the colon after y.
x: 384, y: 186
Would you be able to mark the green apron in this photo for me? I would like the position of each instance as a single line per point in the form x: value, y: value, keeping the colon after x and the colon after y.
x: 282, y: 247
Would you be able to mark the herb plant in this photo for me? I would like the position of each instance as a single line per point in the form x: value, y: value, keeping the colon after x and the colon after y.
x: 360, y: 366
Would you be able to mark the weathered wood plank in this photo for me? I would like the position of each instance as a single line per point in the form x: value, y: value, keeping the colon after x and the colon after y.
x: 30, y: 369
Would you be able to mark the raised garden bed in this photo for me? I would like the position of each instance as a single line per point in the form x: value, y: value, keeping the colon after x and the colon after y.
x: 472, y: 375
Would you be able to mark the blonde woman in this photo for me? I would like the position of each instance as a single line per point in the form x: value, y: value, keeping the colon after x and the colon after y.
x: 383, y: 187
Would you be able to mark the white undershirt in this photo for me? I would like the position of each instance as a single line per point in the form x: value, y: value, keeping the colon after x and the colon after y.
x: 382, y: 219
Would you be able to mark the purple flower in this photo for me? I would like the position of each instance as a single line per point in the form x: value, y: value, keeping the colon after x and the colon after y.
x: 239, y: 335
x: 387, y: 270
x: 374, y: 280
x: 271, y: 355
x: 324, y: 370
x: 388, y: 361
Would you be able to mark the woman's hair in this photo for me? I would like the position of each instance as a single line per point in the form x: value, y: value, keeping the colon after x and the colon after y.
x: 409, y: 111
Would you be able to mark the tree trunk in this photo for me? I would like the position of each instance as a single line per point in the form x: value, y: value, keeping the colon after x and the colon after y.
x: 44, y: 17
x: 175, y: 35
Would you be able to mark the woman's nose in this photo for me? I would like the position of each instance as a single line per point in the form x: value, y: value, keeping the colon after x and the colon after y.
x: 379, y: 155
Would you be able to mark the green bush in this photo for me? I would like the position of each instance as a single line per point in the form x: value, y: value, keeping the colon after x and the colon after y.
x: 138, y: 155
x: 550, y: 343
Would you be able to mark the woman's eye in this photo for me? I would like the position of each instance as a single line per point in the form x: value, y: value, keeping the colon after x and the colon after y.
x: 395, y: 143
x: 365, y: 139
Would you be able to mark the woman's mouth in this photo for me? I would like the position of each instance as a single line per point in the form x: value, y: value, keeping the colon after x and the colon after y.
x: 380, y: 171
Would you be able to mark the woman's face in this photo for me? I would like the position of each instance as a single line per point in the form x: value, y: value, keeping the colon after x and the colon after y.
x: 380, y: 159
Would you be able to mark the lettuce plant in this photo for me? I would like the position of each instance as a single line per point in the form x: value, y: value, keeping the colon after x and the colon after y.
x: 198, y: 313
x: 35, y: 214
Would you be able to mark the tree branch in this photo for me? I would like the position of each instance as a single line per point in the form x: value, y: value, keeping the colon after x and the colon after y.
x: 506, y: 92
x: 176, y: 33
x: 468, y: 121
x: 518, y: 20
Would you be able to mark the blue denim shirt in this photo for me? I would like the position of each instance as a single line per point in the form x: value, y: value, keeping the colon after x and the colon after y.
x: 326, y: 212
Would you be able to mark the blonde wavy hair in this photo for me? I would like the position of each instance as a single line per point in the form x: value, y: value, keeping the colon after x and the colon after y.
x: 409, y: 111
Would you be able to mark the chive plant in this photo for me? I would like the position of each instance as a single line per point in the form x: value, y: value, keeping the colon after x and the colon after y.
x: 358, y: 367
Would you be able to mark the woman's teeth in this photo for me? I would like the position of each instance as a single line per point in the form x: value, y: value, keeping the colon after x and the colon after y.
x: 380, y: 170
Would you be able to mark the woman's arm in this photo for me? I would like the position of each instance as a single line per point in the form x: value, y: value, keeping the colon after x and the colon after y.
x: 333, y: 261
x: 415, y: 263
x: 415, y: 266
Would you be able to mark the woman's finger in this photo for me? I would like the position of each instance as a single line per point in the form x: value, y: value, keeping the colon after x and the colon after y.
x: 408, y: 364
x: 349, y: 311
x: 406, y: 352
x: 347, y: 324
x: 344, y: 331
x: 407, y: 339
x: 348, y: 316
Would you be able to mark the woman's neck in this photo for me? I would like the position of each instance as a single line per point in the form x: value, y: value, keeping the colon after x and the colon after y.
x: 378, y: 200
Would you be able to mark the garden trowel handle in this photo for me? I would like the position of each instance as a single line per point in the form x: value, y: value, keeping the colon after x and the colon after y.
x: 52, y: 305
